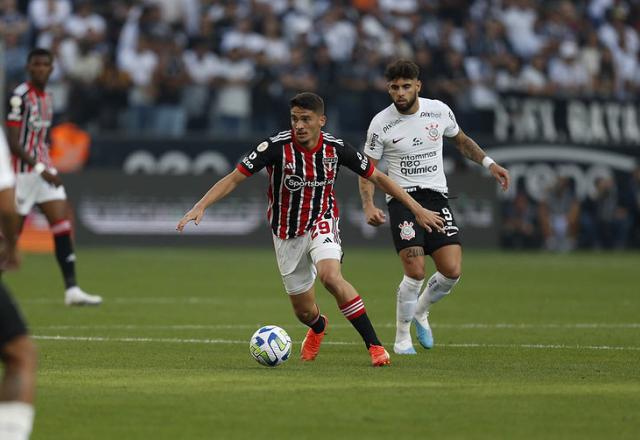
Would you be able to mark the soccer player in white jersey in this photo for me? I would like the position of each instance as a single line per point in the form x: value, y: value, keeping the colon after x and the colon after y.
x: 303, y: 164
x: 408, y: 135
x: 17, y: 351
x: 29, y: 117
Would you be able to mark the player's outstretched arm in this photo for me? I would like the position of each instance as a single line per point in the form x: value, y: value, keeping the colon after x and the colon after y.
x: 217, y: 192
x: 373, y: 215
x: 425, y: 218
x: 470, y: 149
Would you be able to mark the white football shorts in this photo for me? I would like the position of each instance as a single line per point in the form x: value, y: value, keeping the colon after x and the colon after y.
x: 297, y: 257
x: 32, y: 189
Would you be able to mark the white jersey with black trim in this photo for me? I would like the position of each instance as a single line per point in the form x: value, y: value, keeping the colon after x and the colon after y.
x: 412, y: 144
x: 7, y: 177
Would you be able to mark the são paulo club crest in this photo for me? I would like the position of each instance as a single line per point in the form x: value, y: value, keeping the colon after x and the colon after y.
x: 432, y: 131
x: 406, y: 230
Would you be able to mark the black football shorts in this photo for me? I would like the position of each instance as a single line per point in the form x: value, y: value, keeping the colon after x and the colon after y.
x: 407, y: 233
x: 11, y: 322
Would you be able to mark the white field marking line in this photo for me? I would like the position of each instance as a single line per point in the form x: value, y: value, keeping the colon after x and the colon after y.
x: 630, y: 325
x: 159, y: 300
x: 231, y: 341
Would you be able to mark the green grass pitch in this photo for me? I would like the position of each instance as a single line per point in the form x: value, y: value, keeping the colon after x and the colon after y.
x: 527, y: 346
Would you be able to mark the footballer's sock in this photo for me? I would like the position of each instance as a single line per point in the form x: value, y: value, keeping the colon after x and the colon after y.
x: 406, y: 302
x: 355, y: 312
x: 16, y: 420
x: 317, y: 324
x: 437, y: 288
x: 64, y: 251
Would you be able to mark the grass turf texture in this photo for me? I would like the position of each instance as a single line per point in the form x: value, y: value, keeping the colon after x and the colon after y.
x: 527, y: 346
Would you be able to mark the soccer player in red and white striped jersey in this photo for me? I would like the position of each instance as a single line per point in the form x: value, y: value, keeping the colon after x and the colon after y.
x: 303, y: 164
x: 29, y: 118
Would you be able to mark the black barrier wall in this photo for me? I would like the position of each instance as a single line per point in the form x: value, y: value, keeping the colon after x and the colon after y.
x: 113, y: 208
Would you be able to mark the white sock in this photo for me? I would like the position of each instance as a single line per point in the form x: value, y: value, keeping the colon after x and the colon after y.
x: 16, y: 420
x: 406, y: 302
x: 437, y: 288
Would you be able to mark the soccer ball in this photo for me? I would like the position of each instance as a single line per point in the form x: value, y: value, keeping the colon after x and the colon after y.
x: 270, y: 346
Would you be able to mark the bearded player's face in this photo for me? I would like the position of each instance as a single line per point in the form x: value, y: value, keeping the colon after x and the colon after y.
x: 404, y: 93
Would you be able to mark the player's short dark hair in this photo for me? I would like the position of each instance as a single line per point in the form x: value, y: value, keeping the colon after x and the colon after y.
x: 402, y: 68
x: 308, y: 101
x: 38, y: 51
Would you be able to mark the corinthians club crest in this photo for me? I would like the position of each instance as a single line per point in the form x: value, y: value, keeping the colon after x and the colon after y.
x: 432, y: 131
x: 406, y: 230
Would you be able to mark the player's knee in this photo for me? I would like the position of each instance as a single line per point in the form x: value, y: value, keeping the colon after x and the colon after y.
x: 21, y: 354
x: 416, y: 272
x: 452, y: 270
x: 331, y: 280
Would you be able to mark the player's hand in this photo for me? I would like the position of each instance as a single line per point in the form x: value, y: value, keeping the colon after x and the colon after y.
x: 430, y: 220
x: 51, y: 177
x: 374, y: 216
x: 501, y: 175
x: 9, y: 259
x: 196, y: 213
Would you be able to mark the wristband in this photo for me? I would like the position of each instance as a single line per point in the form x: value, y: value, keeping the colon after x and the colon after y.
x: 39, y: 168
x: 487, y: 161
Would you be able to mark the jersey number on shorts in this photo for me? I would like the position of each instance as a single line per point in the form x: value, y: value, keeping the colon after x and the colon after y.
x: 322, y: 227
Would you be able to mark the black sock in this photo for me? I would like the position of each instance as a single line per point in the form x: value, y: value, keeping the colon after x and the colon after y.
x: 318, y: 324
x: 66, y: 258
x: 355, y: 312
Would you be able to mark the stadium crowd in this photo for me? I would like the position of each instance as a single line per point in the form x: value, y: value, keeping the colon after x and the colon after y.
x: 172, y: 66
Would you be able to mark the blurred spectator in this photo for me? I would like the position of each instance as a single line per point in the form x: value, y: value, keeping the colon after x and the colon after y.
x: 13, y: 22
x: 48, y: 18
x: 533, y: 77
x: 520, y: 228
x: 568, y: 74
x: 470, y: 52
x: 86, y: 24
x: 519, y: 18
x: 170, y: 79
x: 141, y: 65
x: 604, y: 222
x: 113, y: 86
x: 232, y: 110
x: 203, y: 68
x: 559, y: 216
x: 630, y: 198
x: 15, y: 54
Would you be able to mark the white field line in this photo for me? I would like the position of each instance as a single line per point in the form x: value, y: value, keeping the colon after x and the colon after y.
x: 463, y: 326
x: 144, y: 301
x: 231, y: 341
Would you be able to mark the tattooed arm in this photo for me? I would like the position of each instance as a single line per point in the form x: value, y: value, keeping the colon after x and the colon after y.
x: 470, y: 149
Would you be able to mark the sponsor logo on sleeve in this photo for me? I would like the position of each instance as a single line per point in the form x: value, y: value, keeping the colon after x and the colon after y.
x: 263, y: 146
x: 373, y: 140
x: 16, y: 104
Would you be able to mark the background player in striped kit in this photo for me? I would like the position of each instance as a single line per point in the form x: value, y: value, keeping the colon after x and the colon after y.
x: 17, y: 351
x: 303, y: 164
x: 408, y: 135
x: 29, y: 118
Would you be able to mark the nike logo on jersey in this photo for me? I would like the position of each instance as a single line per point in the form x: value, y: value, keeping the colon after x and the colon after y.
x: 395, y: 141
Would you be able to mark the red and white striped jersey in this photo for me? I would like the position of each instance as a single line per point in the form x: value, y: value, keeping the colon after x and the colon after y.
x: 31, y: 110
x: 301, y: 181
